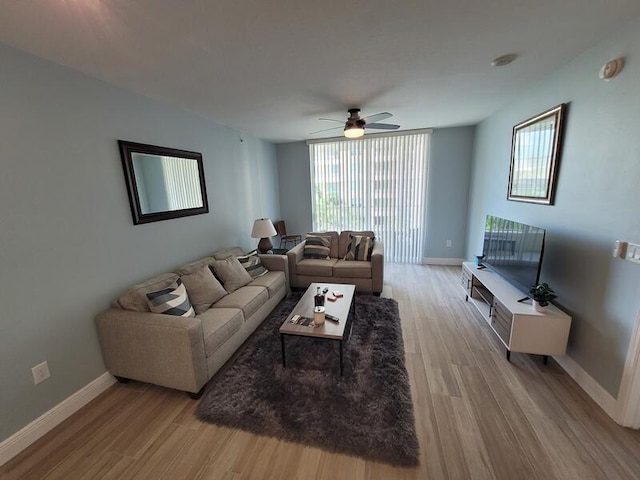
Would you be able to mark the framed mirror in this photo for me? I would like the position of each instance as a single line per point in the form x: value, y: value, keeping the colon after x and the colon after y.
x: 162, y: 182
x: 535, y: 149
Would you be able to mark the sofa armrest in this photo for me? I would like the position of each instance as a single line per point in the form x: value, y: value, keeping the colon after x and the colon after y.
x: 377, y: 267
x: 295, y: 255
x: 279, y: 263
x: 165, y: 350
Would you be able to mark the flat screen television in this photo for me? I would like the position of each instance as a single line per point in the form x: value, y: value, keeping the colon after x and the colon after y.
x: 514, y: 251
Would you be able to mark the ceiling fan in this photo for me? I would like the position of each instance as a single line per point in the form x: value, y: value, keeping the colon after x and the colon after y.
x: 355, y: 125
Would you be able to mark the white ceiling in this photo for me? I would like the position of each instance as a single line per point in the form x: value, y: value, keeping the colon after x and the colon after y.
x: 271, y: 68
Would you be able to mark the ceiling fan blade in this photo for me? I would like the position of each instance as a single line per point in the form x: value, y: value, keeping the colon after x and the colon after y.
x: 331, y: 120
x: 325, y: 130
x: 382, y: 126
x: 377, y: 116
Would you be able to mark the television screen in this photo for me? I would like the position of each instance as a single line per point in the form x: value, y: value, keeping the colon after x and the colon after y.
x: 514, y: 251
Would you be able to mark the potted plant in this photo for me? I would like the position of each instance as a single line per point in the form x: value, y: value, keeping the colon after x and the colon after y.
x: 542, y: 294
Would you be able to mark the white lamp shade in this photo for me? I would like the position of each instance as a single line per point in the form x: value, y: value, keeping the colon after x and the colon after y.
x: 263, y: 227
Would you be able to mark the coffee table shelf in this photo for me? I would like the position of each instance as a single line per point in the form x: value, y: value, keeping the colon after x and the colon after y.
x: 343, y: 308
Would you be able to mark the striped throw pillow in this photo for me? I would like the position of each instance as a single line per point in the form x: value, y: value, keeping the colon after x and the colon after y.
x: 172, y: 300
x: 252, y: 264
x: 360, y: 248
x: 317, y: 247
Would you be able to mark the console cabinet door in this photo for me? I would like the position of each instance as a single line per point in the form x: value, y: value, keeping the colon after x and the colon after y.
x: 467, y: 281
x: 501, y: 321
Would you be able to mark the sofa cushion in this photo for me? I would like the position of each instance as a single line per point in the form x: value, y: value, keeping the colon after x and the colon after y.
x: 232, y: 274
x: 252, y: 264
x: 334, y: 241
x: 317, y: 246
x: 135, y: 299
x: 202, y: 287
x: 272, y: 281
x: 191, y: 266
x: 345, y: 239
x: 359, y: 248
x: 218, y: 325
x: 248, y: 299
x: 229, y: 252
x: 316, y: 267
x: 349, y: 269
x: 171, y: 300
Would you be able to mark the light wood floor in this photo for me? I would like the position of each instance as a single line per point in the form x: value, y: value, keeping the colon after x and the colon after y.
x: 477, y: 416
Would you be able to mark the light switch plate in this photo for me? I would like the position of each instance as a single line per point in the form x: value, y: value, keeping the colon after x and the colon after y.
x: 633, y: 253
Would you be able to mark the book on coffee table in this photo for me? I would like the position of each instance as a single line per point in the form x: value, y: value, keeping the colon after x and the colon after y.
x: 300, y: 320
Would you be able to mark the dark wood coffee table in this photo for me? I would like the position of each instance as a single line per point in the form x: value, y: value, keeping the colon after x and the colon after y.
x: 343, y: 308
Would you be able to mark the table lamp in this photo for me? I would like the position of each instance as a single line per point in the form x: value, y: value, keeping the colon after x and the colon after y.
x: 263, y: 229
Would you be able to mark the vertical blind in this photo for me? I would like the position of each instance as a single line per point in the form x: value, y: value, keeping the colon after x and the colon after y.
x: 181, y: 182
x: 533, y: 153
x: 375, y: 183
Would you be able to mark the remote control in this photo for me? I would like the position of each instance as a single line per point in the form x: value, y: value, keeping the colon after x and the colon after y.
x: 332, y: 318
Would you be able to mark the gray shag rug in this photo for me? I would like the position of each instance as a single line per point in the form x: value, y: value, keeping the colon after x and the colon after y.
x: 368, y: 412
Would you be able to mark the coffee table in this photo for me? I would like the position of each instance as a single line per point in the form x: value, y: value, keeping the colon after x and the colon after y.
x: 343, y: 308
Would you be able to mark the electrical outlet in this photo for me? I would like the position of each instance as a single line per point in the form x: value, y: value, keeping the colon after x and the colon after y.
x: 40, y: 372
x: 449, y: 243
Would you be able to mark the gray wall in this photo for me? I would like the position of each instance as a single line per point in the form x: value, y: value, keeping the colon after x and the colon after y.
x: 596, y: 198
x: 451, y: 151
x: 448, y: 191
x: 295, y: 186
x: 68, y: 244
x: 150, y: 183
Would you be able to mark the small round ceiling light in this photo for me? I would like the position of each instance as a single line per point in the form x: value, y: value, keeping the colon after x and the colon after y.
x: 504, y: 60
x: 611, y: 69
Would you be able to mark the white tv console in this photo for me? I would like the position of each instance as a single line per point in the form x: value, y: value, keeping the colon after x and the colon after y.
x: 518, y: 326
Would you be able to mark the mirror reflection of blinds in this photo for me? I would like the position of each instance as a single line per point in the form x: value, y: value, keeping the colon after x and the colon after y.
x: 533, y: 154
x: 373, y: 183
x: 181, y: 183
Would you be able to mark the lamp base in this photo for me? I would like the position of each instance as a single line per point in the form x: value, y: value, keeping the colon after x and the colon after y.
x: 264, y: 245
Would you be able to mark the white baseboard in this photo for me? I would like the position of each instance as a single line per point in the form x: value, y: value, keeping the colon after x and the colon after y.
x: 590, y: 386
x: 20, y: 440
x: 442, y: 261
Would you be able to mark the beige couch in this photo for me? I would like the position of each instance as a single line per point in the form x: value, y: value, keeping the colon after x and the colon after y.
x: 181, y: 352
x: 367, y: 276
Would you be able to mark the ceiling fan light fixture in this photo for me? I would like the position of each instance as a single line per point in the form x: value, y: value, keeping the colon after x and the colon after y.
x: 353, y: 131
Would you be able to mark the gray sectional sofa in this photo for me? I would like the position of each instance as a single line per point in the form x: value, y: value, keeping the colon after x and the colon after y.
x: 367, y: 276
x: 181, y: 352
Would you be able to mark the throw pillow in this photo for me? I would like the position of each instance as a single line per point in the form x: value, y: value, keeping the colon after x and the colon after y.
x: 232, y: 274
x: 360, y: 248
x: 317, y: 247
x: 172, y: 300
x: 252, y: 264
x: 203, y: 288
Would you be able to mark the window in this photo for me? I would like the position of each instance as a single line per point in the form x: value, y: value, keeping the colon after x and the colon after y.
x: 375, y: 183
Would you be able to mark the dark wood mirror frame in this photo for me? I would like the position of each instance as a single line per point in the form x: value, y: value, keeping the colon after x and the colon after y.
x: 127, y: 152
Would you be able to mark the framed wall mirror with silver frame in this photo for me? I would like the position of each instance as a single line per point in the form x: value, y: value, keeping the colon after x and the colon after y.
x: 163, y: 183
